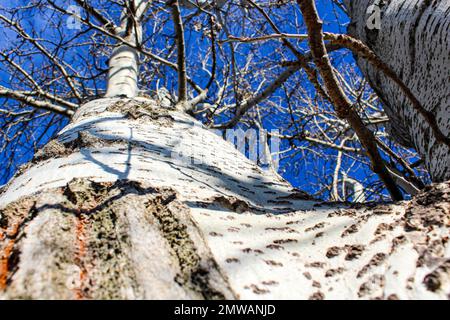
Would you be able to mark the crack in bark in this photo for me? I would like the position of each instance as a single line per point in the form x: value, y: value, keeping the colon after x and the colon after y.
x: 136, y: 110
x: 193, y: 275
x: 102, y: 248
x: 81, y: 254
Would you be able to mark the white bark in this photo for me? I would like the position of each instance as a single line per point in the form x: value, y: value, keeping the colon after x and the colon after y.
x: 123, y: 73
x: 414, y: 39
x: 115, y: 209
x: 134, y: 200
x: 124, y: 61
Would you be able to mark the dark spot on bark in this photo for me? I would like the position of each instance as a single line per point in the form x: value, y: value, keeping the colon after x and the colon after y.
x: 215, y: 234
x: 382, y: 210
x: 258, y: 290
x: 273, y: 263
x: 371, y: 286
x: 383, y: 227
x: 274, y: 247
x: 294, y: 222
x: 350, y: 230
x: 232, y: 203
x: 280, y: 202
x: 343, y: 213
x: 332, y: 272
x: 354, y: 252
x: 317, y: 296
x: 232, y: 260
x: 433, y: 281
x: 3, y: 220
x: 333, y: 252
x: 397, y: 241
x: 297, y: 195
x: 284, y: 241
x: 282, y: 229
x: 316, y: 264
x: 376, y: 260
x: 270, y: 283
x: 316, y: 227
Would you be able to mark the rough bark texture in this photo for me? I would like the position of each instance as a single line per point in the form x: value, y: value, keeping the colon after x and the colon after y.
x: 414, y: 40
x: 134, y: 201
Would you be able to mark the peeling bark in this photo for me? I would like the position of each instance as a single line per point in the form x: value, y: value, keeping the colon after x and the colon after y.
x: 134, y: 201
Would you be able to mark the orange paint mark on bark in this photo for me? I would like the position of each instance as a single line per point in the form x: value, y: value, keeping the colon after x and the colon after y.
x: 5, y: 254
x: 4, y: 265
x: 80, y: 254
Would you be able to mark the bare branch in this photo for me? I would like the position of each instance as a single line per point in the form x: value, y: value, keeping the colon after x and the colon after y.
x: 29, y: 100
x: 344, y: 107
x: 181, y: 57
x: 45, y: 52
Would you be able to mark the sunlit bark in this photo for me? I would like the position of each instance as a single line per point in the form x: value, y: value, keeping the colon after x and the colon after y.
x: 137, y: 201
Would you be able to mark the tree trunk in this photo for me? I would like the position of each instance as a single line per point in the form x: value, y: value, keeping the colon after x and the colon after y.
x: 135, y: 201
x: 414, y: 39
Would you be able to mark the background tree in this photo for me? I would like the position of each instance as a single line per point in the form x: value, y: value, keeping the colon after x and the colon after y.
x: 135, y: 182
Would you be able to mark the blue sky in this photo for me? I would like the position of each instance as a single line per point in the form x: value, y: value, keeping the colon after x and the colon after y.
x: 302, y: 170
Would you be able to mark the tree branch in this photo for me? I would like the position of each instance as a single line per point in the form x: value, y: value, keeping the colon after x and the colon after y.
x: 44, y: 51
x: 181, y: 57
x: 107, y: 24
x: 24, y: 97
x: 342, y: 104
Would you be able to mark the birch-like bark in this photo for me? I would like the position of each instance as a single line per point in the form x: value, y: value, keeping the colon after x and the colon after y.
x: 136, y: 201
x: 124, y: 61
x: 413, y: 38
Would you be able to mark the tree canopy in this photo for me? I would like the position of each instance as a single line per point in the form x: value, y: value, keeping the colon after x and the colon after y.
x: 234, y: 64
